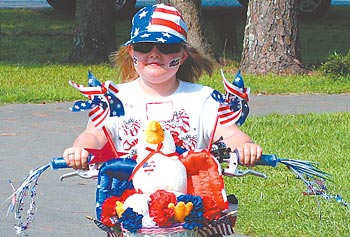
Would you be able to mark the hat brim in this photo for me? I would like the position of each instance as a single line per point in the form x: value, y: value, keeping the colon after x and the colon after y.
x: 155, y: 37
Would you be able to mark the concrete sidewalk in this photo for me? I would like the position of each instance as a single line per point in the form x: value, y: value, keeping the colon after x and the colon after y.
x: 32, y: 134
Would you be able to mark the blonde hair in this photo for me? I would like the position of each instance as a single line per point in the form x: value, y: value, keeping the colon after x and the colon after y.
x: 191, y: 70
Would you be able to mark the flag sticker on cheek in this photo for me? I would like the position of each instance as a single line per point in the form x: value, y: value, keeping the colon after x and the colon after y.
x: 174, y: 62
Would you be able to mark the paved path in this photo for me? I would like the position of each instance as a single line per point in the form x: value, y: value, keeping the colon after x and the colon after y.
x: 31, y: 134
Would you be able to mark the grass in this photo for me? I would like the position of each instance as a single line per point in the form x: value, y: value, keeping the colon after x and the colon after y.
x: 49, y: 83
x: 35, y: 45
x: 276, y: 206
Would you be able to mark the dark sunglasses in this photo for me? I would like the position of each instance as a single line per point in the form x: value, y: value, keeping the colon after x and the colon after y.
x: 146, y: 47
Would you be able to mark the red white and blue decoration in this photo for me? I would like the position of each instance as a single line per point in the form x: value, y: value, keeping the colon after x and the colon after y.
x: 234, y: 107
x: 102, y: 102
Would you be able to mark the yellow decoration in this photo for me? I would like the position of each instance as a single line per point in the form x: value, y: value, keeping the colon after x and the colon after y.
x: 154, y: 133
x: 119, y: 208
x: 181, y: 210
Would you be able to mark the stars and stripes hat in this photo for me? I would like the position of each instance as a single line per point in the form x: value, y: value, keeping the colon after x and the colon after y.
x: 158, y: 23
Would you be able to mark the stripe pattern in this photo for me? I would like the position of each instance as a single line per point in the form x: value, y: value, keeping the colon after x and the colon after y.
x: 223, y: 226
x: 233, y: 107
x: 102, y: 102
x: 168, y: 19
x: 158, y: 23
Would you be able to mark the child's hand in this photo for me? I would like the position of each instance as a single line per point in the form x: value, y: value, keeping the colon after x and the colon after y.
x: 249, y: 153
x: 76, y: 157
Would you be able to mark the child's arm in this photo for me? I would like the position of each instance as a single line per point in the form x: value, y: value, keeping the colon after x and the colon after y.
x: 76, y: 156
x: 249, y: 152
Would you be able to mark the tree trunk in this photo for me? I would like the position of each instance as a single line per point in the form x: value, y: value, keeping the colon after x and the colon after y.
x: 94, y: 34
x: 271, y: 38
x: 192, y: 14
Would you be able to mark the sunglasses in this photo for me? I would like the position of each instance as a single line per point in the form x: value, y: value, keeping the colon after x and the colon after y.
x: 163, y: 48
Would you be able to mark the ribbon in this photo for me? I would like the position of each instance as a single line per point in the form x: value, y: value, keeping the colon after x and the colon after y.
x: 152, y: 152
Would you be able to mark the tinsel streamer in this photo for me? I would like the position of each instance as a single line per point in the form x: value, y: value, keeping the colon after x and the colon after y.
x: 318, y: 187
x: 17, y: 200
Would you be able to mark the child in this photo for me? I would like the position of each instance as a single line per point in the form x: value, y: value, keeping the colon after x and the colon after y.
x: 159, y: 70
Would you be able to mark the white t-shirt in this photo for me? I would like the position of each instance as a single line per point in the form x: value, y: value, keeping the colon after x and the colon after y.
x: 189, y: 114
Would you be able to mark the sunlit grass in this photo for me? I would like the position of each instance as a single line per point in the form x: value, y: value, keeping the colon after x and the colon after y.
x: 276, y: 206
x: 43, y: 84
x: 49, y: 83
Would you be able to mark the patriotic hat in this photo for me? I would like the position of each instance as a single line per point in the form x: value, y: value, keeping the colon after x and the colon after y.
x: 158, y: 23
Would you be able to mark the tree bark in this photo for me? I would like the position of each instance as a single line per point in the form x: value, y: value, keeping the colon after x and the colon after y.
x: 192, y: 14
x: 271, y: 42
x: 94, y: 34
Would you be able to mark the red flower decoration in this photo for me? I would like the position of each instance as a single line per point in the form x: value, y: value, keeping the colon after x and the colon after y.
x: 108, y: 210
x: 158, y: 207
x: 211, y: 209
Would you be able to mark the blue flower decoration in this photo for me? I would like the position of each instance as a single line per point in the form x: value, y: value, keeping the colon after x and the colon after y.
x: 131, y: 220
x: 195, y: 218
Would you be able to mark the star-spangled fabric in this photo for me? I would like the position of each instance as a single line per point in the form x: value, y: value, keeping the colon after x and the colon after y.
x: 233, y: 107
x: 102, y: 102
x: 158, y: 23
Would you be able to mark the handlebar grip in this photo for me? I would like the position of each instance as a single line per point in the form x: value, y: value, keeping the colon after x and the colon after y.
x: 58, y: 163
x: 268, y: 160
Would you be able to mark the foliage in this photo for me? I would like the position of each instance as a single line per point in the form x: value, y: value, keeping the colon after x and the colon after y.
x: 337, y: 65
x: 321, y: 36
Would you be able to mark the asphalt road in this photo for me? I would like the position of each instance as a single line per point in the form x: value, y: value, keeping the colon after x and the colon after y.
x: 32, y: 134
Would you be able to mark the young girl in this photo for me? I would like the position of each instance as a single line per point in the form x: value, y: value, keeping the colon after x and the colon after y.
x: 159, y: 70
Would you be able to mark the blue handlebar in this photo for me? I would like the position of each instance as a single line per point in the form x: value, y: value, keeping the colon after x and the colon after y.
x: 268, y: 160
x: 58, y: 163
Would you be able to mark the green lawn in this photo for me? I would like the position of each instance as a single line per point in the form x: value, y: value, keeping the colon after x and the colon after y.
x: 276, y: 206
